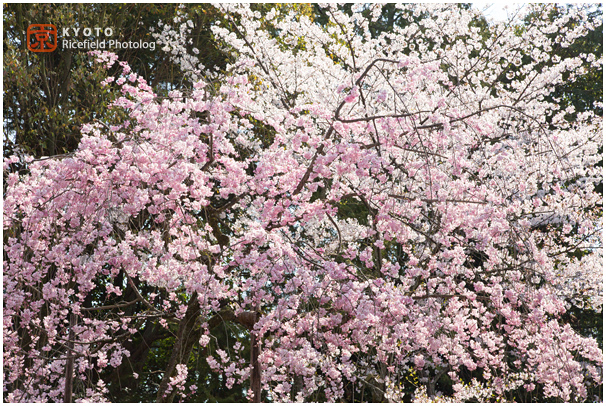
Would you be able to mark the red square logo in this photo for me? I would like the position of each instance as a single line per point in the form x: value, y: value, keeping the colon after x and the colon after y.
x: 41, y: 37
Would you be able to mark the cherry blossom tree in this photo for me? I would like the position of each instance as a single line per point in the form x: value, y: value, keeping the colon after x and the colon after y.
x: 366, y: 208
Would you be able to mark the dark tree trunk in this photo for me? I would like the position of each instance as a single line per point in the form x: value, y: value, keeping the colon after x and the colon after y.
x: 297, y: 387
x: 255, y: 378
x: 186, y: 338
x: 69, y: 365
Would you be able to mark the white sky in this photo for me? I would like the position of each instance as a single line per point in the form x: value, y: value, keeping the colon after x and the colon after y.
x: 497, y: 11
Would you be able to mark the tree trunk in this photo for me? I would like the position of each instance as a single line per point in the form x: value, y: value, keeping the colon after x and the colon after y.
x: 69, y: 365
x: 255, y: 377
x: 186, y: 338
x: 431, y: 385
x: 297, y: 386
x: 378, y: 388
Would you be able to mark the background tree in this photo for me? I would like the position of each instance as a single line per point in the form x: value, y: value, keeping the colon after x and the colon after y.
x: 49, y: 96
